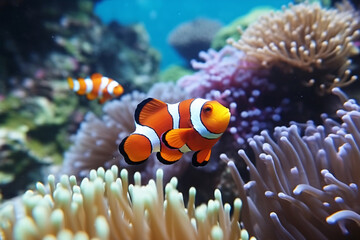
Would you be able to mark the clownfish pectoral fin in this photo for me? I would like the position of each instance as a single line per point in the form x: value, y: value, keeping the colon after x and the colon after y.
x: 176, y: 138
x: 168, y: 158
x: 201, y: 158
x: 147, y: 108
x: 135, y: 148
x: 91, y: 96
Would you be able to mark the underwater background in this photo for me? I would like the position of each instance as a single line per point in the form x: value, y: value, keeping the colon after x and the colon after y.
x: 73, y: 73
x: 161, y: 17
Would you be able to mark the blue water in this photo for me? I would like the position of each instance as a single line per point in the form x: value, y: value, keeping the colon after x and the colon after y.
x: 162, y: 16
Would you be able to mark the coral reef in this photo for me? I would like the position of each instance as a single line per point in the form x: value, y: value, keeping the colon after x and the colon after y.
x: 104, y: 206
x: 43, y: 44
x: 305, y: 183
x: 313, y: 43
x: 47, y: 42
x: 189, y: 38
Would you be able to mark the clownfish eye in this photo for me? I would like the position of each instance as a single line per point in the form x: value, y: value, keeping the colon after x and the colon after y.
x: 207, y: 109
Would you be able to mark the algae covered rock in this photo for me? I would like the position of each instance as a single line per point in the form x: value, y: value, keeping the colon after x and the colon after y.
x: 173, y: 73
x: 33, y: 135
x: 231, y: 30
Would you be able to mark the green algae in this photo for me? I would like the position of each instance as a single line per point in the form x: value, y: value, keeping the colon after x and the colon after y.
x: 231, y: 30
x: 173, y: 73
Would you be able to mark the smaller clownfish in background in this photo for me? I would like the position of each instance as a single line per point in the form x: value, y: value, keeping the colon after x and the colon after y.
x: 96, y: 86
x: 173, y: 129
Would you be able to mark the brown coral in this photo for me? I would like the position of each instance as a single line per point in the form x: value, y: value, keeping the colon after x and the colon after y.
x: 305, y: 187
x: 306, y: 38
x: 106, y: 207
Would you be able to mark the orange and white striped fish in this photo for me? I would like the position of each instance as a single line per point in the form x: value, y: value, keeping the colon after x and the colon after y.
x: 96, y: 86
x: 173, y: 129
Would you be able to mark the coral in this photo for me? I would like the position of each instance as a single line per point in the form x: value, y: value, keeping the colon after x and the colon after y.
x: 96, y: 142
x: 306, y: 179
x: 313, y: 43
x: 189, y: 38
x: 232, y: 29
x: 228, y: 77
x: 104, y: 206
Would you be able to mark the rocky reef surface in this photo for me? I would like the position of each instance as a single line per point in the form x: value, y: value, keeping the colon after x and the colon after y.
x: 43, y: 43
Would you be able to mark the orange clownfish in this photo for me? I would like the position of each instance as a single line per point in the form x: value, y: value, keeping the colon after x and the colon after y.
x: 96, y: 86
x: 173, y: 129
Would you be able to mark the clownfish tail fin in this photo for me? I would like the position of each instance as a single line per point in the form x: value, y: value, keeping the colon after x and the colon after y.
x: 71, y: 83
x: 135, y: 149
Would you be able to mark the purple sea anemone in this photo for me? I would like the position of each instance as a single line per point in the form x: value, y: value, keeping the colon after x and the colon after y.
x: 305, y: 184
x: 230, y: 78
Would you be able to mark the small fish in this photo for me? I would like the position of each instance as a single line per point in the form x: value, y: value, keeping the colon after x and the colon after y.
x: 173, y: 129
x: 96, y: 86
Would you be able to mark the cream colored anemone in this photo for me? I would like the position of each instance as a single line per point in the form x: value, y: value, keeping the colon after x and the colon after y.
x: 304, y: 186
x: 306, y: 37
x: 106, y: 207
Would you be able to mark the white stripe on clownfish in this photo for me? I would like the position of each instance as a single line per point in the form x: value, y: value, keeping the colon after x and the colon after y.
x: 110, y: 88
x: 150, y: 134
x: 195, y: 117
x: 173, y: 109
x: 76, y: 85
x: 89, y: 85
x: 185, y: 149
x: 103, y: 84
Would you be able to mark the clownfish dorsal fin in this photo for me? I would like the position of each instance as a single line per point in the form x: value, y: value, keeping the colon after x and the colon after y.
x: 176, y: 138
x: 146, y: 108
x: 201, y: 158
x: 96, y: 76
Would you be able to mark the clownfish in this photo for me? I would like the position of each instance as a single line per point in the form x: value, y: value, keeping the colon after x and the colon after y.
x: 173, y: 129
x: 96, y: 86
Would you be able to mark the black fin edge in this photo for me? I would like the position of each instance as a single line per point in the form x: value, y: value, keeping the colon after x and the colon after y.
x: 126, y: 157
x: 139, y: 107
x: 196, y: 163
x: 163, y: 160
x: 164, y: 140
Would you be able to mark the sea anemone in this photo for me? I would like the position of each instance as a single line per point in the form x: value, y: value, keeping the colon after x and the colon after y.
x: 96, y: 142
x: 312, y: 42
x: 241, y: 85
x: 306, y: 179
x: 104, y: 206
